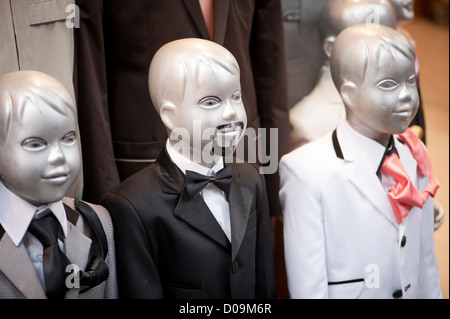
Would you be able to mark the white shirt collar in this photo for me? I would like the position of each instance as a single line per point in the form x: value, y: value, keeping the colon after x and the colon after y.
x: 363, y: 148
x: 16, y: 214
x: 185, y: 164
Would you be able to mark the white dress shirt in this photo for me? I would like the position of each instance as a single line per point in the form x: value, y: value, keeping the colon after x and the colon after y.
x: 16, y: 215
x: 214, y: 197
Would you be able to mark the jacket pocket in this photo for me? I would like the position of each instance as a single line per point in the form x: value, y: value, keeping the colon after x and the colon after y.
x: 47, y: 11
x: 349, y: 289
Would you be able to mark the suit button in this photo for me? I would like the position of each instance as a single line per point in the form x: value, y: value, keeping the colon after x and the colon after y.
x: 397, y: 294
x: 403, y: 243
x: 234, y: 267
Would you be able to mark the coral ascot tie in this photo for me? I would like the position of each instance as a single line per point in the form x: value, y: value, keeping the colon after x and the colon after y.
x: 403, y: 196
x: 55, y: 262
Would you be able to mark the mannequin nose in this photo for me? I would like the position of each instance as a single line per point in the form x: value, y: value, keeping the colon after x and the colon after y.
x: 56, y: 156
x: 229, y: 113
x: 405, y: 94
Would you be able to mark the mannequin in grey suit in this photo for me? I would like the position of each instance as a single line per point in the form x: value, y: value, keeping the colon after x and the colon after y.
x: 39, y: 161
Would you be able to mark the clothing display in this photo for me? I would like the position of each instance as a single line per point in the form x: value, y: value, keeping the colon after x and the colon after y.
x: 337, y: 177
x: 177, y: 247
x: 223, y: 150
x: 116, y: 43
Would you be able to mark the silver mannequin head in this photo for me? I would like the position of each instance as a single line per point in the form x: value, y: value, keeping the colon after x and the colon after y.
x: 195, y: 87
x: 404, y: 9
x: 39, y: 153
x: 340, y: 14
x: 374, y: 71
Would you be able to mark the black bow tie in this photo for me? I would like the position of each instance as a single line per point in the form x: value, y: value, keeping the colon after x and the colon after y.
x: 196, y: 182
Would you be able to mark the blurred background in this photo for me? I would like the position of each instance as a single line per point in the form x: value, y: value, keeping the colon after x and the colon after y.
x: 430, y: 30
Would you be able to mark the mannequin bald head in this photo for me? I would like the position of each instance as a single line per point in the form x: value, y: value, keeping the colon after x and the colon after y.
x: 374, y: 71
x: 404, y: 9
x: 39, y: 153
x: 340, y: 14
x: 195, y: 87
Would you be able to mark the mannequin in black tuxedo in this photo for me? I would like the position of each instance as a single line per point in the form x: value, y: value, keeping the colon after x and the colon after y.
x: 171, y: 242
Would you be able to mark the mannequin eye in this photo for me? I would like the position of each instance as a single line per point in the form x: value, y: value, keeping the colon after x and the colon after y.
x: 34, y: 144
x: 412, y: 80
x: 237, y: 97
x: 70, y: 138
x: 210, y: 102
x: 388, y: 85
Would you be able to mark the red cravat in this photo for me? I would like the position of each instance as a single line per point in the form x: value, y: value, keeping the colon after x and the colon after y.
x: 403, y: 195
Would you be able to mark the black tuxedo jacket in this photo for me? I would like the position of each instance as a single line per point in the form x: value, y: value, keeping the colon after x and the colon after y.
x: 169, y: 246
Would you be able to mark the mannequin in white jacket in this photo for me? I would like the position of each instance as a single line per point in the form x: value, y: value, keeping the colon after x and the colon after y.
x: 341, y: 237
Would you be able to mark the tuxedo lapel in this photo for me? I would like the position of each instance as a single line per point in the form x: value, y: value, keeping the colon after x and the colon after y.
x: 370, y: 186
x: 240, y: 199
x: 19, y: 270
x: 221, y: 9
x: 196, y: 213
x: 194, y: 9
x: 365, y: 180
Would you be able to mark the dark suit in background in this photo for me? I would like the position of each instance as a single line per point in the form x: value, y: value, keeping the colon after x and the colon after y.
x: 116, y: 42
x: 171, y: 246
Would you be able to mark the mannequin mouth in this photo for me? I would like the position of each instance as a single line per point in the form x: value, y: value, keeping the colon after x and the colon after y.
x: 228, y: 135
x: 56, y: 178
x: 406, y: 112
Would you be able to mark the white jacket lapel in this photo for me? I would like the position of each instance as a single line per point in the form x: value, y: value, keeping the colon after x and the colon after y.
x: 360, y: 175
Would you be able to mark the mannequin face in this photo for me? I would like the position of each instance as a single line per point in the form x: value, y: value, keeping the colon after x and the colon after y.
x: 387, y: 99
x: 404, y: 9
x: 39, y: 158
x: 212, y: 111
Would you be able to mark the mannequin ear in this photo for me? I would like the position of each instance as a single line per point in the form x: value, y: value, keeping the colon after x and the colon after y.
x: 328, y: 45
x: 348, y: 93
x: 167, y: 114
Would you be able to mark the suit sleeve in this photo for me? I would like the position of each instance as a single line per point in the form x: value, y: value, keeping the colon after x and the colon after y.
x: 100, y: 171
x: 270, y: 77
x: 430, y: 285
x: 304, y: 236
x: 265, y: 277
x: 269, y: 69
x: 137, y: 274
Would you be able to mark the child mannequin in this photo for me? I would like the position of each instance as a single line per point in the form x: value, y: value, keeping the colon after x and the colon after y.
x: 322, y: 109
x: 39, y: 162
x: 345, y: 235
x: 174, y: 238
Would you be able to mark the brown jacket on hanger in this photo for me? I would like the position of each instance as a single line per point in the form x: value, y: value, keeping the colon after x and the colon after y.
x: 121, y: 131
